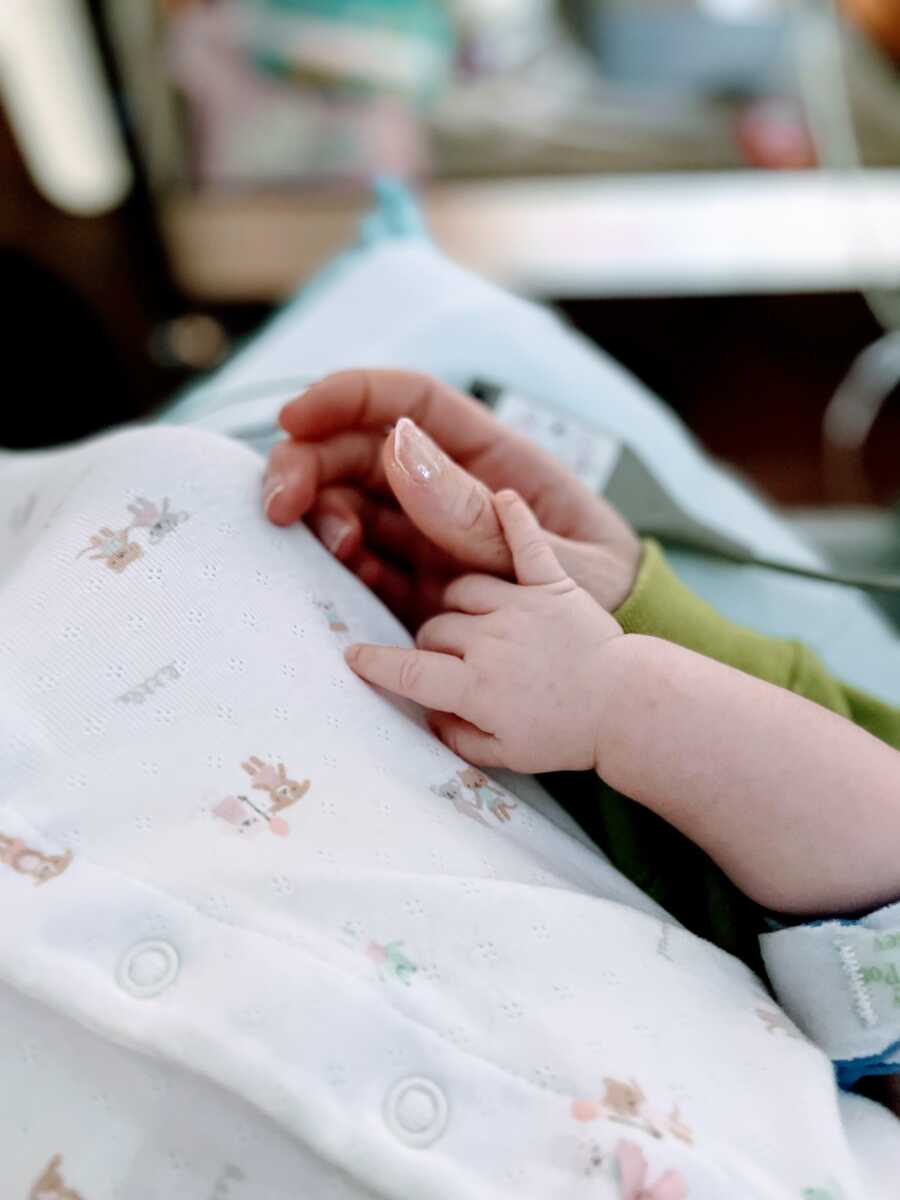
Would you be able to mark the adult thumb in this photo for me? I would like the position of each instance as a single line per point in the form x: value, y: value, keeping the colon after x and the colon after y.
x: 451, y: 507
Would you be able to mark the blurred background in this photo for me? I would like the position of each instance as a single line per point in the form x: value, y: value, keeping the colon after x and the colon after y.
x: 709, y: 189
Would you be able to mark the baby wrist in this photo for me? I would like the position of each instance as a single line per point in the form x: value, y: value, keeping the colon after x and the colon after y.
x: 622, y: 666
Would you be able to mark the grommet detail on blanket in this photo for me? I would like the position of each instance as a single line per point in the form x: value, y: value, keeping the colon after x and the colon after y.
x: 147, y: 969
x: 416, y: 1111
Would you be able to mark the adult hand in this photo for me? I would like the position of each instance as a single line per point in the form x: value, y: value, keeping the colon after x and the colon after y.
x: 408, y: 511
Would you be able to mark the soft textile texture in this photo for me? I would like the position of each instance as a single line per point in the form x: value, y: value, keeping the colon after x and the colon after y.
x: 259, y: 933
x: 840, y: 980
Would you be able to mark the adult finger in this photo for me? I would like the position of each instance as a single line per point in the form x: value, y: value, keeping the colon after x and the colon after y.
x: 449, y: 633
x: 373, y: 401
x: 466, y: 740
x: 534, y: 561
x: 447, y: 504
x: 297, y: 471
x: 411, y: 598
x: 376, y: 399
x: 392, y: 586
x: 477, y: 594
x: 337, y: 520
x: 345, y: 518
x: 432, y: 680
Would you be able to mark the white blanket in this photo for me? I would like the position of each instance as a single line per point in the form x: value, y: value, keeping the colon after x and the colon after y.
x: 263, y: 937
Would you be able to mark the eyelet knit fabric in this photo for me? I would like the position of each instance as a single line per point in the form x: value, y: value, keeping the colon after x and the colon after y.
x: 264, y: 937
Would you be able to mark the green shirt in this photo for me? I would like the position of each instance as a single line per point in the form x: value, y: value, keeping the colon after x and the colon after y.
x: 654, y: 855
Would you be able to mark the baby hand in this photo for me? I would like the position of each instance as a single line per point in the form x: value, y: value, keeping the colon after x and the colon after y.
x: 514, y: 675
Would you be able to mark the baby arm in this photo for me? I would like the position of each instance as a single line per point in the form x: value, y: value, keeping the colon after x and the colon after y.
x: 800, y: 807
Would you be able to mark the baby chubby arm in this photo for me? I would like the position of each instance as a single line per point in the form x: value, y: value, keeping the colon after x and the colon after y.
x: 799, y: 806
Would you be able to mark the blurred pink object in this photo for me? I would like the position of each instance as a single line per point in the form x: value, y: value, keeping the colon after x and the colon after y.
x: 377, y: 953
x: 230, y: 809
x: 585, y: 1110
x: 633, y: 1177
x: 773, y: 133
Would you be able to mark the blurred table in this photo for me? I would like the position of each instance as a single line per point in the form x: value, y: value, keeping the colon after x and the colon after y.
x: 644, y: 235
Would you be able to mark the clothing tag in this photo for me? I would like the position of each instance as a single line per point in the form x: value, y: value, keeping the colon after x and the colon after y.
x: 588, y: 453
x: 840, y: 981
x: 608, y: 467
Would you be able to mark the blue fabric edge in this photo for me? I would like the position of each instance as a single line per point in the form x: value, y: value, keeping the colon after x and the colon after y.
x: 849, y: 1071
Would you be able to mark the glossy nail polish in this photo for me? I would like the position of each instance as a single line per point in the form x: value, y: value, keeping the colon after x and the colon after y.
x: 415, y: 453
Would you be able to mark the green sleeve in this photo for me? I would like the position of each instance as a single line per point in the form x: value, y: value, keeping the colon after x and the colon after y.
x: 661, y: 605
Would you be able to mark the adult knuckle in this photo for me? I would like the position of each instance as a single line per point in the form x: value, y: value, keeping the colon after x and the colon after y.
x: 282, y: 453
x: 410, y: 674
x: 473, y: 508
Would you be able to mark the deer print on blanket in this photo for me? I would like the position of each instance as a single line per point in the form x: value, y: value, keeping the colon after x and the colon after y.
x: 249, y: 814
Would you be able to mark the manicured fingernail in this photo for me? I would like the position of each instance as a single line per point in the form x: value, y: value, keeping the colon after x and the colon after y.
x: 332, y: 531
x: 415, y: 453
x: 272, y: 487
